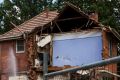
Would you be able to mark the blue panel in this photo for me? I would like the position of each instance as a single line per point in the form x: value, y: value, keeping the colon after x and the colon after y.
x: 77, y: 52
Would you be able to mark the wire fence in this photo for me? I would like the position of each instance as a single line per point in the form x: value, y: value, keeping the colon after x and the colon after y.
x: 108, y: 72
x: 102, y: 70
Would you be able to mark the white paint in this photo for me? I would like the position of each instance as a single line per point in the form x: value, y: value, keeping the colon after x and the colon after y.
x: 83, y: 72
x: 21, y: 77
x: 44, y: 41
x: 37, y: 38
x: 40, y: 77
x: 37, y: 63
x: 12, y: 64
x: 60, y: 77
x: 83, y: 34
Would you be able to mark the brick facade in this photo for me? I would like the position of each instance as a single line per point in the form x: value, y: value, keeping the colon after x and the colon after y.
x: 21, y: 59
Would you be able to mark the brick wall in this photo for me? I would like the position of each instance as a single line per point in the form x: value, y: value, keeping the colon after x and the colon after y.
x: 111, y: 67
x: 21, y: 59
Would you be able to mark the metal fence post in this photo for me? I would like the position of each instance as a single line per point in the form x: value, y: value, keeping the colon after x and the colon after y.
x: 45, y: 65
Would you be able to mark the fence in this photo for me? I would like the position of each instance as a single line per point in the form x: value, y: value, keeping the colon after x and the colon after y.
x: 101, y: 70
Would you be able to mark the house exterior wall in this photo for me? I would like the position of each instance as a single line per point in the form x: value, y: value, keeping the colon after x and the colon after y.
x: 106, y: 52
x: 31, y: 52
x: 21, y: 59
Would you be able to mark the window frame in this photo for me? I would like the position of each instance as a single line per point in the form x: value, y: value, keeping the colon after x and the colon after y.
x: 17, y: 46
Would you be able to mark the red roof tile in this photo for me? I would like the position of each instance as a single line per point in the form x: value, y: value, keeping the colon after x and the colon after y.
x: 37, y: 21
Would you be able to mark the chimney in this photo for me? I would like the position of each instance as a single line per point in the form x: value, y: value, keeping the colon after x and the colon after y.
x: 93, y: 16
x: 46, y: 10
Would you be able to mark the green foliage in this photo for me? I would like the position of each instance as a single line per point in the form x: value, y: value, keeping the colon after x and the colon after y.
x: 18, y: 11
x: 5, y: 15
x: 108, y: 10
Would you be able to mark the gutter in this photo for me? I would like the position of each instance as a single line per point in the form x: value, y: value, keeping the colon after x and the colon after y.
x: 10, y: 38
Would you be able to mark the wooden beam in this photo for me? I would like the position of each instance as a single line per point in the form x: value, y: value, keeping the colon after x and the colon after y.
x: 105, y: 53
x: 73, y: 18
x: 115, y: 33
x: 17, y: 27
x: 58, y: 26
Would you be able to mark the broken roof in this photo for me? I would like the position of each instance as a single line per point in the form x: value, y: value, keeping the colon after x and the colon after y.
x: 44, y: 18
x: 69, y: 18
x: 37, y: 21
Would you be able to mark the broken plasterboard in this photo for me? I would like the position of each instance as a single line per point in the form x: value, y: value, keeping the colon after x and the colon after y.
x: 44, y: 41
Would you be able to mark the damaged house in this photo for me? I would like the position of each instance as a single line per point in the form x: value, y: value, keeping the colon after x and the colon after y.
x: 71, y: 38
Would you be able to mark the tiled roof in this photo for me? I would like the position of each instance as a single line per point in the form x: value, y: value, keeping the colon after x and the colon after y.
x: 37, y: 21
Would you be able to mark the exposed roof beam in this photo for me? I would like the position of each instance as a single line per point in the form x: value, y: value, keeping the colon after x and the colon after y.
x: 115, y: 33
x: 23, y: 33
x: 58, y: 26
x: 16, y: 27
x: 73, y: 18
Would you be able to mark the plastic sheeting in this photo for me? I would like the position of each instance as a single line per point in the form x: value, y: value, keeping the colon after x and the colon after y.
x: 77, y: 51
x: 83, y: 34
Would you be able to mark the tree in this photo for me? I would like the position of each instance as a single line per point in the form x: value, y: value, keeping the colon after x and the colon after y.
x: 18, y: 11
x: 6, y: 15
x: 108, y: 10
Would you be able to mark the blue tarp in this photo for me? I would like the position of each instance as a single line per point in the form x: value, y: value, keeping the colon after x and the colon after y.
x: 77, y: 52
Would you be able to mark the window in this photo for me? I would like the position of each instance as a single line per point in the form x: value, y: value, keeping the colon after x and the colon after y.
x: 20, y: 46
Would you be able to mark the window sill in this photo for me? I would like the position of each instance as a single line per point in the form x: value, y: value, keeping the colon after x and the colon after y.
x: 20, y: 52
